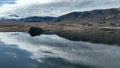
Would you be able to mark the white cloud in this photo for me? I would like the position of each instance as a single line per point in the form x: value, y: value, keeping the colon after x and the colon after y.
x: 25, y: 8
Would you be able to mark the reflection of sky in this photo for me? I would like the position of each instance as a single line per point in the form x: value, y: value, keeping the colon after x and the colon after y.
x: 11, y: 57
x: 22, y: 47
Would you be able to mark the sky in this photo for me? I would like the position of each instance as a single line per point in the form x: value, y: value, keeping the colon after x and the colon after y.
x: 26, y: 8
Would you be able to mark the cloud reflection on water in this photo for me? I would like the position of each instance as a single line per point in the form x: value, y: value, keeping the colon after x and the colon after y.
x: 57, y: 48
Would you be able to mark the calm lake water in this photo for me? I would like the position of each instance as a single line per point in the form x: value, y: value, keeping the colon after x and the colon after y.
x: 20, y: 50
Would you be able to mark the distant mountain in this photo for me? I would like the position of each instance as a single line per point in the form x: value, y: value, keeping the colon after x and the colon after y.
x: 100, y: 16
x: 13, y: 15
x: 16, y: 18
x: 71, y: 17
x: 13, y: 18
x: 10, y: 17
x: 38, y: 19
x: 103, y: 16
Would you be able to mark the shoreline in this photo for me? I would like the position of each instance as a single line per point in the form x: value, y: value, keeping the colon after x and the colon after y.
x: 74, y: 32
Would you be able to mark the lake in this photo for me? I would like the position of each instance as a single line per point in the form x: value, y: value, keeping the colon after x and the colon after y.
x: 20, y: 50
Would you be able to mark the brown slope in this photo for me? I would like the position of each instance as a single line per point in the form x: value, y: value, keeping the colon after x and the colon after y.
x: 103, y: 16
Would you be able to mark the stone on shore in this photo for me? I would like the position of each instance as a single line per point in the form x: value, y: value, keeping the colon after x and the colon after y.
x: 35, y: 31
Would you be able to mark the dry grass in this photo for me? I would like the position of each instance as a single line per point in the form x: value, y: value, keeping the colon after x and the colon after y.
x: 54, y: 27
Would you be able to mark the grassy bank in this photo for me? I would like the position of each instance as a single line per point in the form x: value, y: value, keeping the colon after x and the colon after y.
x: 75, y: 32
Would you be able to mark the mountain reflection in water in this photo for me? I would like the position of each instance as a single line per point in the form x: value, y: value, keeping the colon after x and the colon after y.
x: 19, y: 50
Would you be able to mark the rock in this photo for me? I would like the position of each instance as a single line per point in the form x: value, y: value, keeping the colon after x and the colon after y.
x: 35, y: 31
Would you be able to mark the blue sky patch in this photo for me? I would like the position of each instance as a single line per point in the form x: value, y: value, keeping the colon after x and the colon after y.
x: 7, y: 2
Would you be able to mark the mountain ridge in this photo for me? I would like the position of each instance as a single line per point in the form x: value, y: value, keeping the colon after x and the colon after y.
x: 38, y: 19
x: 99, y: 16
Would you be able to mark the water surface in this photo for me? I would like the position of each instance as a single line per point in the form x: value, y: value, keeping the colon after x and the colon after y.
x: 20, y: 50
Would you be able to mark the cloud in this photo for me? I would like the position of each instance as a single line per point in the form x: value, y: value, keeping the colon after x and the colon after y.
x: 26, y: 8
